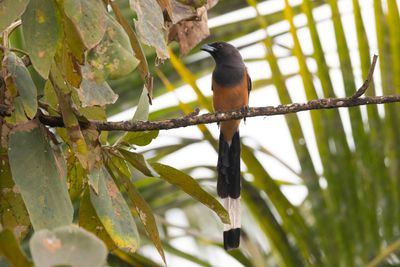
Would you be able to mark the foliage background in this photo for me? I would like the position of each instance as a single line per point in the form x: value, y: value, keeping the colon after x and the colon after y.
x: 350, y: 214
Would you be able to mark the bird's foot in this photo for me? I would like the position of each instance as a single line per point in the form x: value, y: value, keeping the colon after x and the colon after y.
x: 245, y: 110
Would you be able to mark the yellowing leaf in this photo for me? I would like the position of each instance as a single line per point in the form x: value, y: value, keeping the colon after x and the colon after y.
x: 69, y: 66
x: 114, y: 213
x: 89, y: 17
x: 75, y: 178
x: 41, y: 29
x: 89, y: 220
x: 73, y: 40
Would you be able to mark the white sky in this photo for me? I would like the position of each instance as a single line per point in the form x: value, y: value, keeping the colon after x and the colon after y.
x: 270, y: 132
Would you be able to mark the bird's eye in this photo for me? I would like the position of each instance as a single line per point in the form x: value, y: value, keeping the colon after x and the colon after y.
x: 220, y: 46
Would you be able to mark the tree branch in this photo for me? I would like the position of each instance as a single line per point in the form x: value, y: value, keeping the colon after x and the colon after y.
x: 138, y: 126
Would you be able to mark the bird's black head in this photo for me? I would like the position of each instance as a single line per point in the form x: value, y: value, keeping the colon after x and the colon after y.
x: 224, y: 53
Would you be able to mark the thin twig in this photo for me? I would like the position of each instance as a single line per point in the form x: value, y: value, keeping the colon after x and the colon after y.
x: 367, y: 82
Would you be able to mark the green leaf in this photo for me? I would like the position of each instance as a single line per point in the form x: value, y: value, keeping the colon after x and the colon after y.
x: 89, y: 17
x: 10, y: 10
x: 191, y: 187
x: 23, y: 82
x: 113, y: 57
x: 49, y: 96
x: 143, y: 66
x: 67, y: 246
x: 150, y: 25
x: 141, y: 114
x: 140, y: 138
x: 114, y: 213
x: 18, y: 116
x: 13, y: 214
x: 120, y: 164
x: 41, y: 29
x: 138, y: 161
x: 10, y: 249
x: 94, y: 113
x: 40, y: 176
x: 93, y: 93
x: 94, y: 177
x: 142, y: 109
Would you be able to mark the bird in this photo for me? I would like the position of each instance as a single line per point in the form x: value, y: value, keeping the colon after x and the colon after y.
x: 231, y: 86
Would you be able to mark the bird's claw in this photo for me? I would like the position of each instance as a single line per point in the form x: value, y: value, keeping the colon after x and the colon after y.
x: 245, y: 110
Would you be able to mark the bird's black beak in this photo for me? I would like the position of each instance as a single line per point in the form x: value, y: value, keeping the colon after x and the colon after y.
x: 208, y: 48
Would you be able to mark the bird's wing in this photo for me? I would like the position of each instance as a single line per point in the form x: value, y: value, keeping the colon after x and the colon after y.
x: 249, y: 84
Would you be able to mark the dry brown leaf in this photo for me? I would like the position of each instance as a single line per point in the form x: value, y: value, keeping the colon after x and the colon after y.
x: 181, y: 12
x: 188, y: 9
x: 189, y: 33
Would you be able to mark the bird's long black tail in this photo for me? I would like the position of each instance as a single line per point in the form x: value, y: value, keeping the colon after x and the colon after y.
x: 228, y: 187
